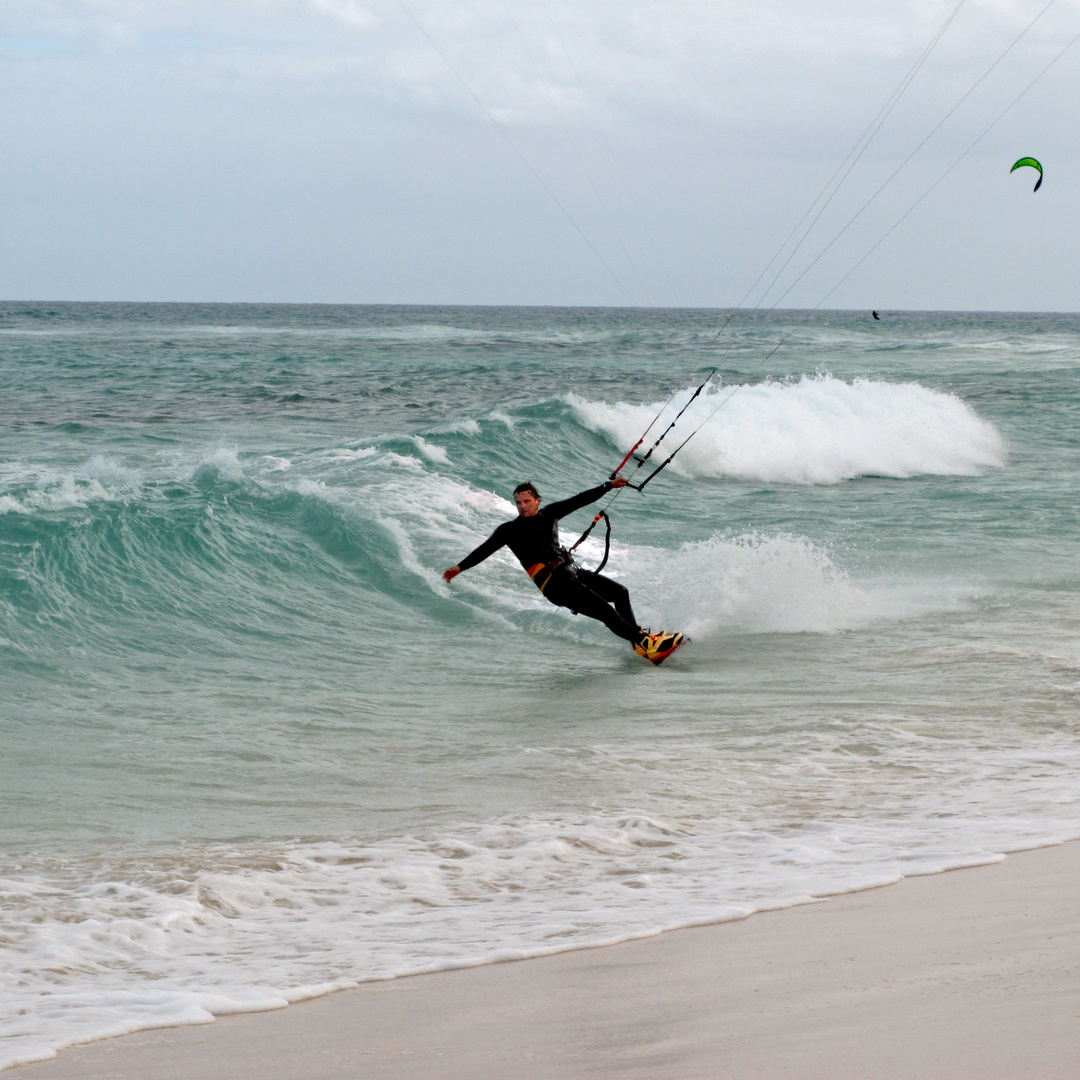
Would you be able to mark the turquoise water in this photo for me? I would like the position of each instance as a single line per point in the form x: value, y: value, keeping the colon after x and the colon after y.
x: 252, y: 747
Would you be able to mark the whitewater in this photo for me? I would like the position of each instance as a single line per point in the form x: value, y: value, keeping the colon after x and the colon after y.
x: 254, y: 749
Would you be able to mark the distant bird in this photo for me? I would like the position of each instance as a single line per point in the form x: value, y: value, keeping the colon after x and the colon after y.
x: 875, y: 314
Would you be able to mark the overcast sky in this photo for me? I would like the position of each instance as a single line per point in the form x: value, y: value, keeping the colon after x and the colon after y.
x: 533, y: 151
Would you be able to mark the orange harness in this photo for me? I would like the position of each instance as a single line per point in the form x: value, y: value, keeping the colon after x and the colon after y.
x: 537, y: 573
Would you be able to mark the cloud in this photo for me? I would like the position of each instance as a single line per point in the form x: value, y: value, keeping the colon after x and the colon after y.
x: 347, y: 11
x: 354, y: 138
x: 545, y: 62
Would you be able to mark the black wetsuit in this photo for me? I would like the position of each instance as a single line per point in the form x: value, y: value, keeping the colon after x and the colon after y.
x: 535, y: 542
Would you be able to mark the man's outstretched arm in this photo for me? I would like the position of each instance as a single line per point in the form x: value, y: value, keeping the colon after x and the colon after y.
x: 492, y: 544
x: 576, y: 502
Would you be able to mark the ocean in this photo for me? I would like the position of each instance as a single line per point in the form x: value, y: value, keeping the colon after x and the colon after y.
x: 253, y: 748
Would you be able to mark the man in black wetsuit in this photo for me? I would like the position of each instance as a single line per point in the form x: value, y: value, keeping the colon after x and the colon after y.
x: 533, y: 536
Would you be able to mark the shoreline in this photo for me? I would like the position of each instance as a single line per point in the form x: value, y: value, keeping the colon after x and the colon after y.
x: 973, y: 972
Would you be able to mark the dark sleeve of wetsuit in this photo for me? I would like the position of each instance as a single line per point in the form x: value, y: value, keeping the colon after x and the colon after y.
x: 576, y: 502
x: 492, y: 544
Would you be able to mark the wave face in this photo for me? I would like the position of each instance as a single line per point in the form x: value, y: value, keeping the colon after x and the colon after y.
x: 253, y: 747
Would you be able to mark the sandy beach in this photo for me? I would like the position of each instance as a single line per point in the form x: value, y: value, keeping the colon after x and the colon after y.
x: 969, y: 974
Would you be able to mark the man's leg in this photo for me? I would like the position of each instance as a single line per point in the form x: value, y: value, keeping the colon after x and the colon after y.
x: 565, y: 592
x: 614, y: 593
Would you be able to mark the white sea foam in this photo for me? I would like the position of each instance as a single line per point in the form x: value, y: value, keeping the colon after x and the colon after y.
x: 457, y: 427
x: 220, y: 466
x: 430, y: 451
x: 441, y: 334
x: 775, y: 584
x: 166, y: 940
x: 352, y: 453
x: 427, y: 513
x: 65, y: 493
x: 816, y: 430
x: 43, y: 489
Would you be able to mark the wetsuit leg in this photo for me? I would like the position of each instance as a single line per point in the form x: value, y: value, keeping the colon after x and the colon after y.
x: 615, y: 594
x: 567, y: 592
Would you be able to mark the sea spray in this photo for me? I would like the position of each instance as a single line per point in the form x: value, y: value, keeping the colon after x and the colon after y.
x: 816, y: 430
x: 762, y: 584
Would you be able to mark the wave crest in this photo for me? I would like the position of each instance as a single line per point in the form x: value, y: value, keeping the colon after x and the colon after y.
x: 817, y: 430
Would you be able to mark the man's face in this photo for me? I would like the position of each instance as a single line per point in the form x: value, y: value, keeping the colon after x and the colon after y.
x: 527, y: 503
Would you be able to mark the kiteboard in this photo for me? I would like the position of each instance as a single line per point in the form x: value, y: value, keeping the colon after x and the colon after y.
x: 656, y: 648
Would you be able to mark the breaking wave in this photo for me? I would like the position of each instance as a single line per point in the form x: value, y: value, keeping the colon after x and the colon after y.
x: 816, y: 430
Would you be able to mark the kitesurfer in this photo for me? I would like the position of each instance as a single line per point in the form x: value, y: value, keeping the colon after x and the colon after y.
x: 533, y: 536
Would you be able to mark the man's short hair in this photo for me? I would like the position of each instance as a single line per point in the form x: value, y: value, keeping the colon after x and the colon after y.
x: 527, y: 486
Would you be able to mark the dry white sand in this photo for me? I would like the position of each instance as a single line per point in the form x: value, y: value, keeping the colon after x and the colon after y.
x: 971, y: 974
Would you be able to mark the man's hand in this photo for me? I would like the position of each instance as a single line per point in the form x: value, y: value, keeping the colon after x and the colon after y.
x: 452, y: 573
x: 619, y: 481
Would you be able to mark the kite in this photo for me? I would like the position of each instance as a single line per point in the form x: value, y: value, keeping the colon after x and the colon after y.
x: 1034, y: 164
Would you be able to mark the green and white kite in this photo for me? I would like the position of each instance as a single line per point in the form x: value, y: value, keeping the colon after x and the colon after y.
x: 1033, y: 164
